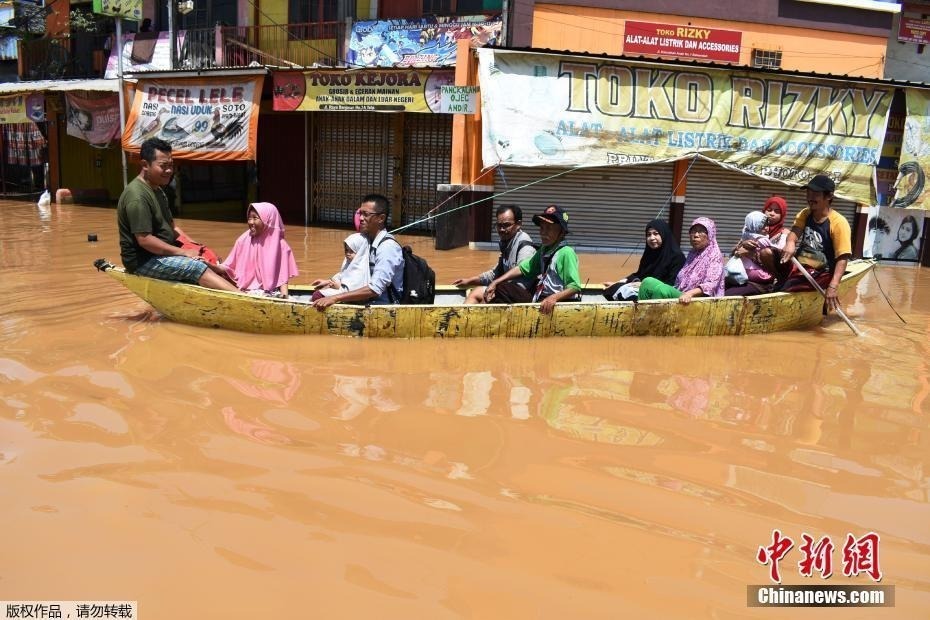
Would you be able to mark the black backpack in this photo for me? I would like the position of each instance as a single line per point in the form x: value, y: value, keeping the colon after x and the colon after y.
x: 419, y: 278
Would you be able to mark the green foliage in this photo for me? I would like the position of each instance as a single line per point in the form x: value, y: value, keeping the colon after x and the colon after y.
x: 81, y: 20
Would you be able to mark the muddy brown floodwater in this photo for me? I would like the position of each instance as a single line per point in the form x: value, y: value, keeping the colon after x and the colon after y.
x: 211, y: 474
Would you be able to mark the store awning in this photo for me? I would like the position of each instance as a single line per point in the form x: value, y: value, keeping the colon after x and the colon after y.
x: 111, y: 86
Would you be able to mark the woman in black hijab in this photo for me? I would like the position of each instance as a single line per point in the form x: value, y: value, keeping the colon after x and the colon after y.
x: 662, y: 259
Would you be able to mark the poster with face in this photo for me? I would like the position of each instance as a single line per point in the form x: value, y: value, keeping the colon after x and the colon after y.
x: 894, y: 234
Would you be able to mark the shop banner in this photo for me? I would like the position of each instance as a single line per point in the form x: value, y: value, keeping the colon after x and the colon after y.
x: 210, y: 119
x: 674, y: 41
x: 93, y: 120
x: 151, y: 53
x: 426, y: 42
x: 546, y: 110
x: 127, y: 9
x: 391, y: 90
x: 22, y: 108
x: 915, y: 153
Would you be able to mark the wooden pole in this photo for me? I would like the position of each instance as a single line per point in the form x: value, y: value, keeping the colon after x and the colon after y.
x: 823, y: 294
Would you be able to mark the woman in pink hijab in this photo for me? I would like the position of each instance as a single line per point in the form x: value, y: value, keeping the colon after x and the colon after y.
x: 261, y: 261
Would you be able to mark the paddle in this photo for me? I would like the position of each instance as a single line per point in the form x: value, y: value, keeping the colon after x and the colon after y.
x: 823, y: 294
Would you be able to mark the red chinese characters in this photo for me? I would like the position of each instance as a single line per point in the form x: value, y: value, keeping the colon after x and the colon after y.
x: 860, y: 555
x: 774, y: 553
x: 817, y: 557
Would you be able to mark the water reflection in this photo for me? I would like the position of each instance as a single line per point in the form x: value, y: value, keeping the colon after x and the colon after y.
x: 434, y: 463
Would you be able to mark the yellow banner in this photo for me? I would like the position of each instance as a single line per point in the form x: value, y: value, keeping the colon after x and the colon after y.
x: 915, y: 154
x: 392, y: 90
x: 22, y: 108
x: 545, y: 110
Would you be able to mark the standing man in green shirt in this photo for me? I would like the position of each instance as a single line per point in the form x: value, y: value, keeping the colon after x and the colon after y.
x: 147, y: 232
x: 554, y: 266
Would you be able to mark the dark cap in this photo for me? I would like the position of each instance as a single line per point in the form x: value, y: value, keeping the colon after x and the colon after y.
x: 553, y: 215
x: 821, y: 183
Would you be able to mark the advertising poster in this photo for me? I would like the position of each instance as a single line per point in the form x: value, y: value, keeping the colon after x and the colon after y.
x: 22, y: 108
x: 213, y: 119
x: 894, y: 233
x: 547, y: 110
x: 426, y: 42
x: 93, y: 120
x: 393, y: 90
x: 915, y: 153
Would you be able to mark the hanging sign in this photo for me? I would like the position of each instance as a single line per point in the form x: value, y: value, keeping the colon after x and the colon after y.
x: 211, y: 119
x: 676, y: 41
x: 910, y: 187
x: 547, y: 110
x: 389, y: 90
x: 126, y: 9
x: 93, y: 120
x: 911, y: 28
x: 458, y: 99
x: 22, y: 108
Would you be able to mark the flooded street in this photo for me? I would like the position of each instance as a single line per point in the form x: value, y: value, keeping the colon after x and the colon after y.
x: 214, y: 474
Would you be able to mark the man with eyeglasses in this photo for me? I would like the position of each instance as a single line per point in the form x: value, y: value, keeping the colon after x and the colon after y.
x: 516, y: 246
x: 148, y: 235
x: 385, y: 259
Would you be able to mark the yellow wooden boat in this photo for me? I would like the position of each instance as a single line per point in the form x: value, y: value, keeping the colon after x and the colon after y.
x: 448, y: 317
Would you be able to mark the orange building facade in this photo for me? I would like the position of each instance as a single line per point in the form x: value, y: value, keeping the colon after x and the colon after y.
x: 810, y: 49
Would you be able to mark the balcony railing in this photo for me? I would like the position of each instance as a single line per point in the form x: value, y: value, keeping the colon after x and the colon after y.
x: 80, y: 55
x: 294, y: 45
x: 84, y: 55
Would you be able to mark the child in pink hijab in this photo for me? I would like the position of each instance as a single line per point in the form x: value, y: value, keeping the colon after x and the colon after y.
x: 261, y: 261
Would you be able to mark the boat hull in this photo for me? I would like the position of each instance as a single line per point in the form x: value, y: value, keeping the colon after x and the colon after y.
x: 726, y: 316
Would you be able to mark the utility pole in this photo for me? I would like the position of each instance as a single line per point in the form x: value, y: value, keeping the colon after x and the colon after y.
x: 172, y: 39
x: 122, y: 102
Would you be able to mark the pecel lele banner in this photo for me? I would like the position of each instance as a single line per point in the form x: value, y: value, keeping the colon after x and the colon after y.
x: 549, y: 110
x: 211, y: 119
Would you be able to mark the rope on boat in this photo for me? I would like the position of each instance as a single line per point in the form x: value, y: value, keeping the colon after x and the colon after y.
x: 890, y: 305
x: 664, y: 206
x: 431, y: 216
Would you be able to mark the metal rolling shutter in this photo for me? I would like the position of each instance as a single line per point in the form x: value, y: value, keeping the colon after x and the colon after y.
x: 351, y: 157
x: 427, y: 153
x: 726, y: 196
x: 608, y: 207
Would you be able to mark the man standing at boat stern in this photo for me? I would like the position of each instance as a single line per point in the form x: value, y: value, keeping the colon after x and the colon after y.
x: 821, y: 240
x: 147, y: 232
x: 385, y: 259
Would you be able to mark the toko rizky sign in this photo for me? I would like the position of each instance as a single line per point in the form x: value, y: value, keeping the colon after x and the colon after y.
x: 546, y: 110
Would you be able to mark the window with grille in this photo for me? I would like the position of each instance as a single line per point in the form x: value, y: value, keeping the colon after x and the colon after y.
x: 766, y: 58
x: 306, y: 17
x: 453, y: 7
